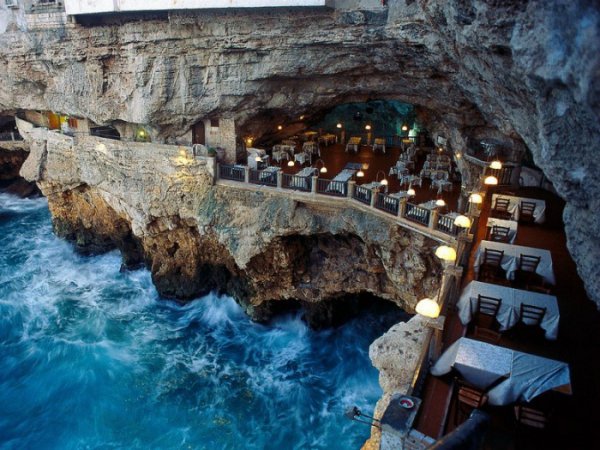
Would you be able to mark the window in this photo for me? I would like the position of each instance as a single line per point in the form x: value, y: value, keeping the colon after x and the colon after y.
x: 11, y: 3
x: 214, y: 123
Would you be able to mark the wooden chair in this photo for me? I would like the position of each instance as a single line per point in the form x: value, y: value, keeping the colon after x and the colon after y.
x: 499, y: 234
x: 487, y: 335
x: 500, y: 209
x: 528, y: 328
x: 526, y: 271
x: 526, y: 210
x: 486, y: 311
x: 467, y: 398
x: 531, y: 315
x: 491, y: 269
x: 532, y: 428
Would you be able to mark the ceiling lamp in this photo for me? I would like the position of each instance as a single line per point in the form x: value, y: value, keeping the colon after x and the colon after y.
x: 384, y: 182
x: 280, y: 127
x: 496, y: 165
x: 290, y: 163
x: 411, y: 192
x: 258, y: 159
x: 404, y: 127
x: 445, y: 253
x: 360, y: 174
x: 490, y: 181
x: 440, y: 202
x: 339, y: 125
x: 462, y: 222
x: 476, y: 198
x: 368, y: 127
x: 428, y: 308
x: 301, y: 117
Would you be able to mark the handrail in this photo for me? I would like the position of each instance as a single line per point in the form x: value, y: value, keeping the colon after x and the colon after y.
x: 332, y: 187
x: 264, y: 177
x: 231, y: 172
x: 388, y: 204
x: 446, y: 224
x: 296, y: 182
x: 417, y: 214
x: 337, y: 191
x: 362, y: 194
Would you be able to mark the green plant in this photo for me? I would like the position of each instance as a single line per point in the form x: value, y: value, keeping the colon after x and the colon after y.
x: 211, y: 151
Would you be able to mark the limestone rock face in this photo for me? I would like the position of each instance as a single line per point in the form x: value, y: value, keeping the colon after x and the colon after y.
x: 523, y: 71
x: 157, y: 204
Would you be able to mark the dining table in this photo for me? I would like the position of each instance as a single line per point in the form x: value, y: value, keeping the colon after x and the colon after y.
x: 512, y: 226
x: 539, y: 213
x: 510, y: 259
x: 328, y: 139
x: 510, y: 308
x: 345, y: 175
x: 507, y: 375
x: 353, y: 144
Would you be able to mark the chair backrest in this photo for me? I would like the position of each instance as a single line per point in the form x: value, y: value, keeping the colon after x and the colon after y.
x: 527, y: 209
x: 499, y: 234
x: 532, y: 315
x: 501, y: 204
x: 470, y: 395
x: 528, y: 263
x: 492, y: 257
x: 488, y: 305
x: 531, y: 417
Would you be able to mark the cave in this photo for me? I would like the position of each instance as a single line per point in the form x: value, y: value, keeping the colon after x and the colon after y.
x: 504, y: 91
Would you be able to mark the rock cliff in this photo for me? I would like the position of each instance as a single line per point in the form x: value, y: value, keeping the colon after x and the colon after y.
x: 525, y: 71
x: 158, y: 205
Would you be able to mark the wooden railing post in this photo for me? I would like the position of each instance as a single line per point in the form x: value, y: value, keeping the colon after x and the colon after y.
x: 433, y: 218
x: 217, y: 170
x: 313, y: 188
x: 351, y: 185
x: 279, y: 179
x: 246, y: 174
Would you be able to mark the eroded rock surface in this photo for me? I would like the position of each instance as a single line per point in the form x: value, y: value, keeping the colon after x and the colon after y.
x: 157, y: 204
x: 525, y: 72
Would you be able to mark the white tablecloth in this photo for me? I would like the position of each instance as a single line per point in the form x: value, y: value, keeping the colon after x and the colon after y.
x: 311, y: 147
x: 510, y: 261
x: 511, y: 224
x: 510, y: 308
x: 302, y: 157
x: 481, y: 364
x: 539, y: 214
x: 345, y: 175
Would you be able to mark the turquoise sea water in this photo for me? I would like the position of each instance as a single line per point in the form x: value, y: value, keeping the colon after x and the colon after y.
x: 91, y: 358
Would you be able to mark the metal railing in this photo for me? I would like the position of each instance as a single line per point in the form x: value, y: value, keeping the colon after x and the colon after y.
x: 388, y: 204
x: 446, y: 225
x: 264, y: 177
x: 417, y: 214
x: 10, y: 136
x: 296, y: 182
x: 362, y: 194
x: 230, y: 172
x: 332, y: 187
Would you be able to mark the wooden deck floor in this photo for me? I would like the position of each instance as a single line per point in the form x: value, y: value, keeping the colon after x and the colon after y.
x: 335, y: 158
x: 574, y: 417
